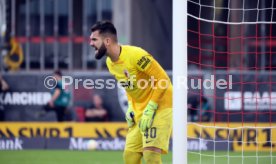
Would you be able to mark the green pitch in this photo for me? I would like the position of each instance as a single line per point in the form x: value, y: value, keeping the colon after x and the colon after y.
x: 65, y: 157
x: 115, y: 157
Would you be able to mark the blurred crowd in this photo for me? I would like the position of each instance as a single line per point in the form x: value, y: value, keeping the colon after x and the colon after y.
x: 199, y: 109
x: 60, y: 107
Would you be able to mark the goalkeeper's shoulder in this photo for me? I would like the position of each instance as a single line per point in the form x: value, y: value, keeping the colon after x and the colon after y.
x: 108, y: 62
x: 135, y: 52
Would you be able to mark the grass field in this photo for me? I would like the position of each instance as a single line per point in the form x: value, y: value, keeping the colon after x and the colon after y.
x: 65, y: 157
x: 115, y: 157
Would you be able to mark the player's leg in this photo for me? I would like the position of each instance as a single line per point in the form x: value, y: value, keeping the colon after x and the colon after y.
x: 60, y: 111
x: 134, y: 147
x: 152, y: 155
x: 132, y: 157
x: 156, y: 139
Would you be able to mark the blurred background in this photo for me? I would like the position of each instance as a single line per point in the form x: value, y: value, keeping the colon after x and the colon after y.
x: 53, y: 35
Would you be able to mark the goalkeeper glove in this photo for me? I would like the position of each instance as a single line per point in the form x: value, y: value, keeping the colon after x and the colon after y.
x: 147, y: 117
x: 130, y: 115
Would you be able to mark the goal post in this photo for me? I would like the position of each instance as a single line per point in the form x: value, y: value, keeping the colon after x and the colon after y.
x: 179, y: 72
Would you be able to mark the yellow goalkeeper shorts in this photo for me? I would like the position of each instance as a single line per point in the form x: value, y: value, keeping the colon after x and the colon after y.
x: 157, y: 136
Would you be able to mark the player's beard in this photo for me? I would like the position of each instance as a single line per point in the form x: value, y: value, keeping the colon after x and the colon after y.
x: 101, y: 52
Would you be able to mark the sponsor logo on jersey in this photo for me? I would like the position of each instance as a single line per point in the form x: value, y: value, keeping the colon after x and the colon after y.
x: 143, y: 62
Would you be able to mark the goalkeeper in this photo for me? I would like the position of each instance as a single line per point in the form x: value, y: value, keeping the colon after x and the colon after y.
x: 149, y: 92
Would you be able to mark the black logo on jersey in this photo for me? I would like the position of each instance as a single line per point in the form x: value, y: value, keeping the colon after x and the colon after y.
x: 143, y: 62
x: 127, y: 84
x: 149, y: 141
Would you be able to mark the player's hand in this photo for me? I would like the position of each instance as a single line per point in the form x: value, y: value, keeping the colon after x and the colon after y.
x: 148, y: 116
x: 130, y: 116
x: 51, y: 104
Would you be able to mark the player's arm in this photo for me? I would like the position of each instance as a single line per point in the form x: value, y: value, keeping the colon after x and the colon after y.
x: 5, y: 85
x: 54, y: 97
x: 161, y: 79
x: 129, y: 116
x: 151, y: 67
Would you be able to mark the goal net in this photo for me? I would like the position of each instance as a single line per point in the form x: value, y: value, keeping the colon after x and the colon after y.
x: 231, y: 81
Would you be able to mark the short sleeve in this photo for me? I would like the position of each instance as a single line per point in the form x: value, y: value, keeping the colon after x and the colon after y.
x: 58, y: 86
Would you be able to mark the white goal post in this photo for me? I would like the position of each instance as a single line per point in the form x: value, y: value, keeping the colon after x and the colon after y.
x: 180, y: 92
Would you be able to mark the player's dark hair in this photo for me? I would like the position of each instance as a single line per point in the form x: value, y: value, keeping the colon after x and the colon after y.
x: 58, y: 72
x: 105, y: 27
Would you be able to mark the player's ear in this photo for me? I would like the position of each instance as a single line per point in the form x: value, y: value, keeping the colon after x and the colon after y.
x: 107, y: 41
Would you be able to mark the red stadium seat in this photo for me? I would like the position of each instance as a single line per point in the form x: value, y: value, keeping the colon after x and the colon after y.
x: 80, y: 111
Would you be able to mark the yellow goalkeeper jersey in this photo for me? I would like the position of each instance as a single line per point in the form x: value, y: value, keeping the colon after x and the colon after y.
x: 142, y: 77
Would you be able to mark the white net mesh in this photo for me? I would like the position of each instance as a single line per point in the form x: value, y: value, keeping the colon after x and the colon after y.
x: 233, y: 11
x: 235, y: 41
